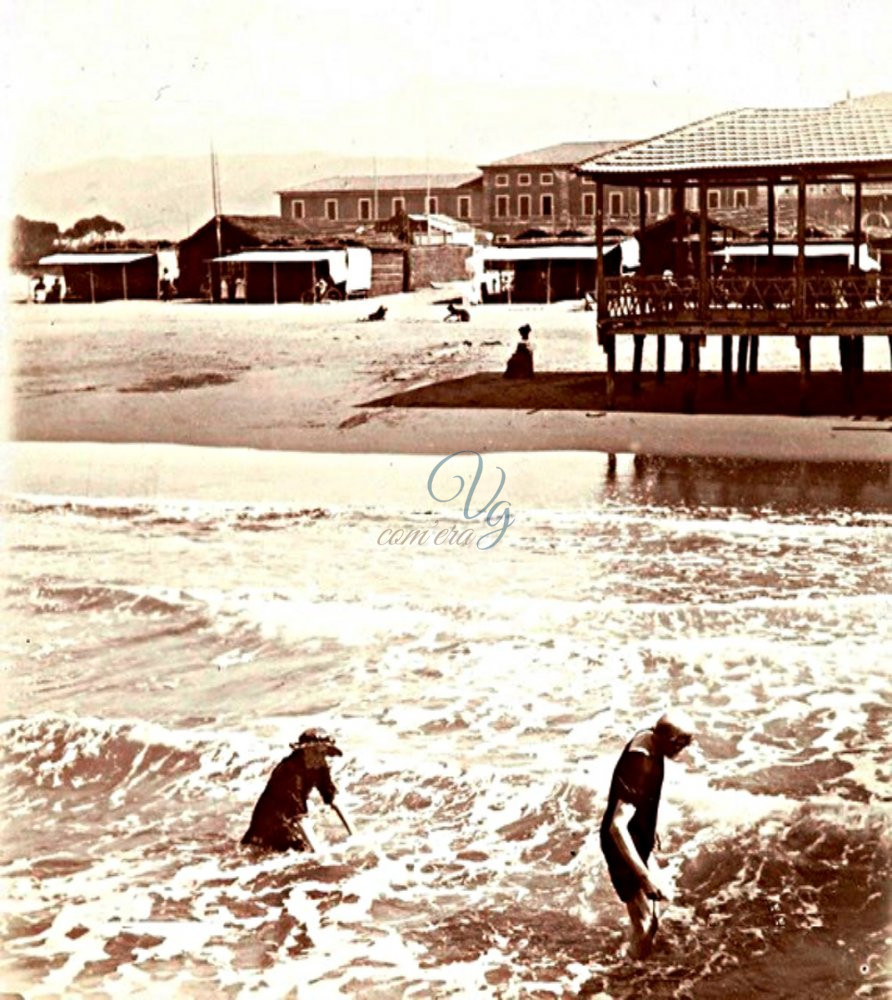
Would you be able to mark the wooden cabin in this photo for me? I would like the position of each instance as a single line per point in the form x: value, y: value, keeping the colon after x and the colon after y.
x: 101, y: 276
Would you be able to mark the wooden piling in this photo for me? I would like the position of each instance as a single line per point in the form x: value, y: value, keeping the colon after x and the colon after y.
x: 743, y: 344
x: 609, y: 345
x: 689, y: 394
x: 803, y: 342
x: 754, y: 355
x: 661, y: 357
x: 728, y: 364
x: 637, y: 358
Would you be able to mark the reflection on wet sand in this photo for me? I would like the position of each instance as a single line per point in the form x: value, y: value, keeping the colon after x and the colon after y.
x: 791, y: 487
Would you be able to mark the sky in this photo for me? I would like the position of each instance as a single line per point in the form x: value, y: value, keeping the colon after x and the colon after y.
x: 468, y: 80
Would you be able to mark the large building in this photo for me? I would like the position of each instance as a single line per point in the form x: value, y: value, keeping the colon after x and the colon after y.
x: 339, y: 203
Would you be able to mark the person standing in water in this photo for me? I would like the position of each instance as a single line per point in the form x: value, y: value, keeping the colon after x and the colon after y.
x: 278, y: 822
x: 629, y: 825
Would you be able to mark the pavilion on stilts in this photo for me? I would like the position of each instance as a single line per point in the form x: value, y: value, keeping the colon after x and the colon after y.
x: 774, y: 149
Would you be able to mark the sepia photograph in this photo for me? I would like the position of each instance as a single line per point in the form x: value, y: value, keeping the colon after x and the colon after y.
x: 446, y: 488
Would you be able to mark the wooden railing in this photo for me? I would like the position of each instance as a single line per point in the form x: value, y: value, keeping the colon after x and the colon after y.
x: 633, y: 301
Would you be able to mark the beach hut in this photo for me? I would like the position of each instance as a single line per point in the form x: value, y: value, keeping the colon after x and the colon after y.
x: 100, y: 276
x: 296, y: 275
x: 546, y: 272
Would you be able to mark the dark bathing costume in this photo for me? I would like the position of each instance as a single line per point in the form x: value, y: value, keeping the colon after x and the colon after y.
x: 638, y: 779
x: 284, y: 800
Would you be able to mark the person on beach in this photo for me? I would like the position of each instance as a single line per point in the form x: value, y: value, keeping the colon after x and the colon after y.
x: 520, y: 364
x: 279, y: 820
x: 629, y: 825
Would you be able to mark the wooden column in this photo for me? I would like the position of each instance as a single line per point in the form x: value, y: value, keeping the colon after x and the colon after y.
x: 743, y: 346
x: 607, y: 341
x: 600, y: 287
x: 124, y: 280
x: 92, y: 287
x: 276, y: 285
x: 661, y: 357
x: 548, y: 281
x: 754, y: 355
x: 703, y: 297
x: 857, y: 235
x: 799, y: 311
x: 679, y: 230
x: 772, y: 222
x: 637, y: 358
x: 804, y: 345
x: 689, y: 394
x: 727, y: 364
x: 642, y: 208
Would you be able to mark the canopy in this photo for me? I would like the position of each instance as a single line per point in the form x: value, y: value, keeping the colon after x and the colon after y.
x: 59, y: 259
x: 563, y: 252
x: 865, y: 261
x: 279, y: 256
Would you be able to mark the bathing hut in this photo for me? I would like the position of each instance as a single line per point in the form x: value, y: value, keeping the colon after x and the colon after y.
x: 100, y: 276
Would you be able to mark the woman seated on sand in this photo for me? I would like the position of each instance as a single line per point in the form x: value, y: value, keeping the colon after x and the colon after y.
x: 520, y: 364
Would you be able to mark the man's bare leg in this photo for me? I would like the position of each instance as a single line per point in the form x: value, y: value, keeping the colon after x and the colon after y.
x: 644, y: 925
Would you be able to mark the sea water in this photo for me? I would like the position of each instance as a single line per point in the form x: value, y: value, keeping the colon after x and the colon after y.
x: 162, y: 650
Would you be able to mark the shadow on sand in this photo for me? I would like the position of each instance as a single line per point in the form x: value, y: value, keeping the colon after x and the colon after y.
x: 768, y: 393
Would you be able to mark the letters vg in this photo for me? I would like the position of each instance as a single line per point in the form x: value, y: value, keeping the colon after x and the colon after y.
x: 499, y: 521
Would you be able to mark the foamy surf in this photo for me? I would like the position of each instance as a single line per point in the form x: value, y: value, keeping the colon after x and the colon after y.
x: 164, y: 648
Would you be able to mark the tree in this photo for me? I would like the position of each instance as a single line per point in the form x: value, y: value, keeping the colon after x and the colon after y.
x: 98, y: 225
x: 31, y: 240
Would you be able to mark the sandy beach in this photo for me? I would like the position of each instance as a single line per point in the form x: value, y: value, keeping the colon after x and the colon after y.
x: 319, y: 378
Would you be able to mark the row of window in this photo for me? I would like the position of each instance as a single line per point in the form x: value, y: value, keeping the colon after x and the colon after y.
x: 524, y: 180
x: 365, y: 207
x: 617, y: 204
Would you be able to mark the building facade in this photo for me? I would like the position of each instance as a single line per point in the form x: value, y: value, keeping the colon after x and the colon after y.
x: 355, y: 201
x: 541, y: 192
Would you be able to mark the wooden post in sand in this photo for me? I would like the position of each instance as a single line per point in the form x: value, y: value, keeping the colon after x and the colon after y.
x: 803, y: 342
x: 637, y: 358
x: 727, y: 364
x: 754, y: 355
x: 661, y: 358
x: 124, y: 280
x: 743, y: 344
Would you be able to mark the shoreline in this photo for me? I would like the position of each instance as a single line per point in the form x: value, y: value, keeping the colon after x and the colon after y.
x: 317, y: 379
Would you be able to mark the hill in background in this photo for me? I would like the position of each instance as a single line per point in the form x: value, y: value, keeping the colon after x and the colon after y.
x: 170, y: 197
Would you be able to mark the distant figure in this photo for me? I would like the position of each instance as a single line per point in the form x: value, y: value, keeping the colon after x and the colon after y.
x: 224, y: 290
x: 241, y: 289
x: 165, y: 286
x: 456, y: 314
x: 54, y: 291
x: 320, y: 288
x: 629, y: 826
x: 588, y: 302
x: 520, y: 364
x: 39, y: 293
x: 277, y: 822
x: 377, y: 315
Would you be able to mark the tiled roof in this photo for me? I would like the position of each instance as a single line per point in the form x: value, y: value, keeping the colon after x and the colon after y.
x: 565, y: 154
x: 757, y: 138
x: 384, y: 182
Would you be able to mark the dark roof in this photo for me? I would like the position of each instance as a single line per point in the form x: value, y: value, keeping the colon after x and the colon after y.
x: 565, y: 154
x: 754, y: 139
x: 384, y: 182
x: 270, y: 229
